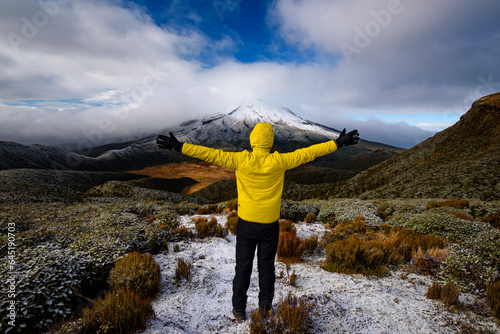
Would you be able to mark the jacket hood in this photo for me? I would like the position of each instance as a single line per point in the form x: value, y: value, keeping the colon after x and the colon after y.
x: 262, y: 136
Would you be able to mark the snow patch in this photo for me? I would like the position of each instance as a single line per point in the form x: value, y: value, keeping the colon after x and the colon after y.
x: 341, y: 303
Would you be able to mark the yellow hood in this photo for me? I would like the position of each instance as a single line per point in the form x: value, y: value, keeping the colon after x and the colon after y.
x: 262, y: 136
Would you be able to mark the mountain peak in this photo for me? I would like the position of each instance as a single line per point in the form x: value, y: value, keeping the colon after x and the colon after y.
x: 256, y: 110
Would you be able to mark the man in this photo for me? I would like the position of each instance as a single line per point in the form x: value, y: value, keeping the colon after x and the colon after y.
x: 259, y: 179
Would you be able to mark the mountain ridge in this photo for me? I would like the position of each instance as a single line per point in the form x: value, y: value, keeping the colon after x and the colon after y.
x: 462, y: 161
x: 228, y: 131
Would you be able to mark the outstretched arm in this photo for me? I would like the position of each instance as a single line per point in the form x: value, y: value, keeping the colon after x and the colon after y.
x: 216, y: 157
x: 301, y: 156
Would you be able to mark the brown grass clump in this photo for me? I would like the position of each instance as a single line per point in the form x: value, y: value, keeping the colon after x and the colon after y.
x: 351, y: 247
x: 351, y: 256
x: 407, y: 240
x: 462, y: 215
x: 493, y: 219
x: 183, y: 270
x: 290, y: 247
x: 292, y: 317
x: 450, y: 293
x: 208, y: 209
x: 232, y: 222
x: 120, y: 311
x: 457, y: 204
x: 426, y: 262
x: 294, y: 314
x: 206, y: 228
x: 381, y: 213
x: 287, y: 225
x: 232, y: 205
x: 310, y: 218
x: 447, y: 293
x: 137, y: 272
x: 493, y: 298
x: 311, y: 243
x: 434, y: 291
x: 183, y: 232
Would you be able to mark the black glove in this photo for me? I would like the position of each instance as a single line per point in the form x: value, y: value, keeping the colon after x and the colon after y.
x: 169, y: 142
x: 347, y: 139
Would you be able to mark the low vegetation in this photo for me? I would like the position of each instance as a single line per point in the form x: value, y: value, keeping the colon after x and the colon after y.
x: 291, y: 316
x: 447, y: 293
x: 136, y: 272
x: 209, y: 227
x: 126, y: 307
x: 66, y: 251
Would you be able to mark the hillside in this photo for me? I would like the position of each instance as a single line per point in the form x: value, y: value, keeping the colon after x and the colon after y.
x: 15, y: 155
x: 462, y: 161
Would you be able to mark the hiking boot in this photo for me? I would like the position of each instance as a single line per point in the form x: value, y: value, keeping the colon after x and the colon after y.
x: 240, y: 316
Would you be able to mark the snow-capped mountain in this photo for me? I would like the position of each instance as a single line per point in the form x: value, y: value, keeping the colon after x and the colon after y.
x: 231, y: 130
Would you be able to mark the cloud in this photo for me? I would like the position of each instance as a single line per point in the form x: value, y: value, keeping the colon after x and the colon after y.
x: 93, y: 71
x: 416, y: 53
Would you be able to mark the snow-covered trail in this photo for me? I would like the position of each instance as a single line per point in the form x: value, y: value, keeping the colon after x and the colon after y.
x: 341, y: 303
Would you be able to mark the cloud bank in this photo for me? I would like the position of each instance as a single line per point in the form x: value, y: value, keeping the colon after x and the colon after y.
x: 100, y: 70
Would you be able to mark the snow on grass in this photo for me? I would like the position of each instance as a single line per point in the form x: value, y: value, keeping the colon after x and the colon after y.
x: 341, y: 303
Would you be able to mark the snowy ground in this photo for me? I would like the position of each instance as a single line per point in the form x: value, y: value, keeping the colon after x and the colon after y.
x: 341, y: 303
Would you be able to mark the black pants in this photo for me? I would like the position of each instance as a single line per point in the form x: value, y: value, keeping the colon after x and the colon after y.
x: 249, y: 236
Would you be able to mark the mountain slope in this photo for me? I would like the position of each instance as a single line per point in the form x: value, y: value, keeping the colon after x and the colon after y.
x: 14, y: 155
x: 231, y: 131
x: 228, y: 131
x: 460, y: 161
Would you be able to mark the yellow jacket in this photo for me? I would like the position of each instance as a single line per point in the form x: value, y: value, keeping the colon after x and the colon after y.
x: 259, y: 174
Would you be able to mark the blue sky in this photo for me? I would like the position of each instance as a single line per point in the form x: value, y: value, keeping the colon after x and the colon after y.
x: 92, y: 71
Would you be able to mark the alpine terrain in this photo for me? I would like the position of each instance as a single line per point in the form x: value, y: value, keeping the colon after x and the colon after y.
x: 462, y: 161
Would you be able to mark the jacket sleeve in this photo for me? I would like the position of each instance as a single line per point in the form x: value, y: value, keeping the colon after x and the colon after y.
x: 303, y: 155
x: 214, y: 156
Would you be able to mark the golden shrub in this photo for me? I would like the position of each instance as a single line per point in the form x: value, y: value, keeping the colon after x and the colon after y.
x: 292, y: 316
x: 310, y: 217
x: 232, y: 222
x: 447, y: 293
x: 493, y: 297
x: 311, y: 243
x: 287, y: 225
x: 118, y: 311
x: 450, y: 293
x: 290, y: 247
x: 183, y: 270
x: 207, y: 228
x: 462, y: 215
x: 137, y: 272
x: 232, y: 205
x: 434, y: 291
x: 493, y: 219
x: 183, y: 232
x: 454, y: 203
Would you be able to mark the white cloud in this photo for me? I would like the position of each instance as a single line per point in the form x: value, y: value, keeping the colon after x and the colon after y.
x: 104, y: 70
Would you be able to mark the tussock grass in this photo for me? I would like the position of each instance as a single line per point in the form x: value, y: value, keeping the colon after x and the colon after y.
x: 457, y: 204
x: 447, y: 293
x: 183, y: 270
x: 232, y: 222
x: 493, y: 297
x: 137, y: 272
x: 291, y: 316
x: 119, y: 311
x: 209, y: 228
x: 352, y: 247
x: 290, y: 247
